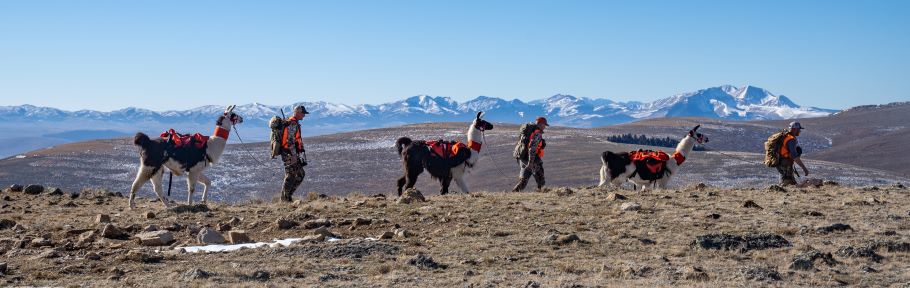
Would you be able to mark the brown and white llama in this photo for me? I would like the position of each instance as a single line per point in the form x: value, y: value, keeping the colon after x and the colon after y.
x: 157, y: 154
x: 619, y: 168
x: 416, y: 157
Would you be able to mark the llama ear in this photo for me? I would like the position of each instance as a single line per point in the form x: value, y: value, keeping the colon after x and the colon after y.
x: 696, y: 128
x: 229, y: 109
x: 480, y: 113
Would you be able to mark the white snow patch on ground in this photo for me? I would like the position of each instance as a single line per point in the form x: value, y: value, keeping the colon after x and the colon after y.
x: 234, y: 247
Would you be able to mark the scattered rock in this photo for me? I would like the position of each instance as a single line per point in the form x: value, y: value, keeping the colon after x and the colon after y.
x: 16, y: 188
x: 387, y: 235
x: 806, y: 261
x: 70, y: 204
x: 556, y: 239
x: 563, y: 191
x: 139, y: 256
x: 812, y: 182
x: 616, y: 197
x: 742, y: 243
x: 403, y: 233
x: 155, y: 238
x: 238, y: 237
x: 33, y: 189
x: 411, y: 195
x: 312, y: 238
x: 714, y: 216
x: 150, y: 228
x: 7, y: 224
x: 776, y: 188
x: 56, y: 192
x: 751, y: 204
x: 865, y: 251
x: 48, y: 254
x: 102, y: 218
x: 834, y: 228
x: 630, y: 206
x: 898, y: 186
x: 3, y: 268
x: 224, y: 227
x: 868, y: 269
x: 86, y: 238
x: 856, y: 203
x: 285, y: 224
x: 701, y: 186
x: 761, y: 273
x: 695, y: 273
x: 814, y: 214
x: 234, y: 222
x: 324, y: 231
x: 110, y: 231
x: 149, y: 215
x: 208, y: 236
x: 316, y: 223
x: 425, y: 262
x: 196, y: 273
x: 830, y: 183
x: 42, y: 242
x: 261, y: 275
x: 197, y: 208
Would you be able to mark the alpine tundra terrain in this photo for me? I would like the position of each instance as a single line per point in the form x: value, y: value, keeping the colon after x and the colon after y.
x: 366, y: 162
x: 562, y: 237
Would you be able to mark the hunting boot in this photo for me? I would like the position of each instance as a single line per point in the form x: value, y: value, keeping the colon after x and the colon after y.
x: 522, y: 182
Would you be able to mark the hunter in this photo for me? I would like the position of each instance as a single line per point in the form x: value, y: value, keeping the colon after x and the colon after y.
x: 292, y: 147
x: 790, y: 153
x: 529, y: 153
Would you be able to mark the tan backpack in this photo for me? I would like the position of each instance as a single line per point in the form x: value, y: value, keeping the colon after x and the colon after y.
x: 276, y: 125
x: 772, y: 148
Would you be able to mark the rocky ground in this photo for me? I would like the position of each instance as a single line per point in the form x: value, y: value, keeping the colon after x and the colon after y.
x: 562, y: 237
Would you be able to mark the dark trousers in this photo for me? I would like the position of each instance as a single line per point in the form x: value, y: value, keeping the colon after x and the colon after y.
x: 529, y: 168
x: 293, y: 176
x: 786, y: 171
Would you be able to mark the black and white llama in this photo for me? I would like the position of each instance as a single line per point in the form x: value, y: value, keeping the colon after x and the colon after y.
x: 416, y: 157
x: 157, y: 154
x: 619, y: 168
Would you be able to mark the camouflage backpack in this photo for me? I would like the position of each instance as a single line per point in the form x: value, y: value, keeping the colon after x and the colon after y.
x: 521, y: 148
x: 276, y: 125
x: 772, y: 148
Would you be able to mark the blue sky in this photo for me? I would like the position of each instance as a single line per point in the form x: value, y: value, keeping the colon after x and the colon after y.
x: 179, y: 54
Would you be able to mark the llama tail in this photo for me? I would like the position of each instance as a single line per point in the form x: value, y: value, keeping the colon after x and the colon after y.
x: 142, y: 140
x: 401, y: 142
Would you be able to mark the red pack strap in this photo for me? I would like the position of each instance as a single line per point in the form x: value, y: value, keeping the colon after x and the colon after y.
x: 679, y: 158
x: 475, y: 145
x: 222, y: 133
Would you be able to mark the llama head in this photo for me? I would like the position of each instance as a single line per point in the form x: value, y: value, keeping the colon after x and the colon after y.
x: 230, y: 116
x: 700, y: 138
x: 481, y: 124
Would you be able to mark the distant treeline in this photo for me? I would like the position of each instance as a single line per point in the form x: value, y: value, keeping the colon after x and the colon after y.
x: 645, y: 140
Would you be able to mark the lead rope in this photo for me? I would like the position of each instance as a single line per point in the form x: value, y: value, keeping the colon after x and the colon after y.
x: 248, y: 153
x: 483, y: 135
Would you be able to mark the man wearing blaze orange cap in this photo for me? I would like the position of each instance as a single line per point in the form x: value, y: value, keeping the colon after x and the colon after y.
x: 292, y: 147
x: 532, y: 164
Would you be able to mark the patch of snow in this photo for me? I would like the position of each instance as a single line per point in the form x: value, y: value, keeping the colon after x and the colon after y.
x: 234, y: 247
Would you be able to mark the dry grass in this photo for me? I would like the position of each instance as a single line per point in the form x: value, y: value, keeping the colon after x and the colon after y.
x: 497, y: 239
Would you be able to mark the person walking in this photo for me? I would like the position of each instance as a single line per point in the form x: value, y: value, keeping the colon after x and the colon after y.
x: 292, y: 148
x: 529, y: 154
x: 790, y: 153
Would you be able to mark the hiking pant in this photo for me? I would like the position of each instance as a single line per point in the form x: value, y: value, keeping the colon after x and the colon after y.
x: 293, y: 176
x: 528, y: 168
x: 786, y: 171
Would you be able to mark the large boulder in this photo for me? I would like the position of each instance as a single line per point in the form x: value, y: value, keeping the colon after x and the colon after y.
x: 210, y: 236
x: 112, y: 232
x: 316, y: 223
x: 16, y: 188
x: 155, y: 238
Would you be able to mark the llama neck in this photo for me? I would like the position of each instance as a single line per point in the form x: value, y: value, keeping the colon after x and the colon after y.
x: 218, y: 141
x: 686, y: 145
x: 474, y: 136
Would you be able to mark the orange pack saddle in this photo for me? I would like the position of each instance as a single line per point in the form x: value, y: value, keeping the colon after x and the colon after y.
x: 197, y: 140
x: 445, y: 149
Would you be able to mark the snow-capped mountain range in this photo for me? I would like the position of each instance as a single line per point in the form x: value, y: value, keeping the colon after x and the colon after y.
x: 727, y: 102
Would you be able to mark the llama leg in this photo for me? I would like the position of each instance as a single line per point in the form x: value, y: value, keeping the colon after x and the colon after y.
x: 156, y: 185
x: 603, y: 176
x: 205, y: 187
x: 445, y: 181
x: 401, y: 182
x: 141, y: 177
x: 191, y: 179
x: 462, y: 185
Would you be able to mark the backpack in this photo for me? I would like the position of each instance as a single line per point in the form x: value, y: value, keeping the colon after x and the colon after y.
x: 521, y: 148
x: 772, y: 148
x: 276, y: 125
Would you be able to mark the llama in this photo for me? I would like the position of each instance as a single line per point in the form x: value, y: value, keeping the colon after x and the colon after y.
x: 154, y: 155
x: 618, y: 168
x: 416, y: 157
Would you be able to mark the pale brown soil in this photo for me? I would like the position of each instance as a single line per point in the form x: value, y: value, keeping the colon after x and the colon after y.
x: 484, y: 239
